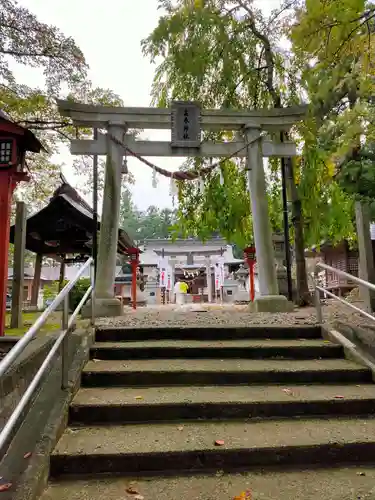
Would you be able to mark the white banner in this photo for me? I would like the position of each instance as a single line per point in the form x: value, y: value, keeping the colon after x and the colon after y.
x: 219, y: 273
x: 165, y: 273
x: 169, y: 285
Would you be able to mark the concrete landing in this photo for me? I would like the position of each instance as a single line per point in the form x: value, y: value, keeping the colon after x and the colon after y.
x: 352, y: 483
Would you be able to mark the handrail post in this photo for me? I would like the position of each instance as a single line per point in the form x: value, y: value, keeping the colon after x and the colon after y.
x: 93, y: 295
x: 65, y: 345
x: 318, y: 306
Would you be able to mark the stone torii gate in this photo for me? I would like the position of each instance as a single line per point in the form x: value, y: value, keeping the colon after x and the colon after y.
x: 186, y: 120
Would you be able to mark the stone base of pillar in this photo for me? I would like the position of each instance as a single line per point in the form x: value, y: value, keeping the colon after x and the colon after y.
x: 272, y: 304
x: 242, y: 296
x: 104, y: 308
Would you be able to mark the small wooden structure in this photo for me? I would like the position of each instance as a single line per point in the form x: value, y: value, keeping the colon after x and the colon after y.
x: 63, y: 230
x: 342, y: 257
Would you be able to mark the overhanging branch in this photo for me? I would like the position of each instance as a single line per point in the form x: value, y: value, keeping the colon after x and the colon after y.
x: 268, y: 54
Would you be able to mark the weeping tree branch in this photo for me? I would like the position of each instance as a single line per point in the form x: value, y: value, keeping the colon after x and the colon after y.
x: 268, y: 55
x: 303, y: 294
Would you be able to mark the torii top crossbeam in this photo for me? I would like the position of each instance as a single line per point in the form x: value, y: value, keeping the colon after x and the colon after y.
x: 87, y: 115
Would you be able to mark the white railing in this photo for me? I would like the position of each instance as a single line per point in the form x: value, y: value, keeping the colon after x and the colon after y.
x: 62, y: 340
x: 354, y: 279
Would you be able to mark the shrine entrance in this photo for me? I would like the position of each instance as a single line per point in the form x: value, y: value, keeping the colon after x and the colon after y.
x: 194, y: 267
x: 257, y: 134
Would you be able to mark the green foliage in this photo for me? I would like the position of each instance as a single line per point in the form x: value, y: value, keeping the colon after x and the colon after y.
x: 51, y: 291
x: 223, y: 209
x: 142, y: 225
x: 24, y: 40
x: 27, y: 41
x: 229, y: 54
x: 78, y: 291
x: 357, y: 176
x: 335, y: 39
x: 217, y: 54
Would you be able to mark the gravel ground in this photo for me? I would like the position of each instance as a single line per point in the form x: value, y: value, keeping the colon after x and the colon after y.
x: 232, y: 315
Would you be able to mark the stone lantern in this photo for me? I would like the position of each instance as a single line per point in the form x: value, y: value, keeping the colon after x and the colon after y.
x: 241, y: 276
x: 281, y: 271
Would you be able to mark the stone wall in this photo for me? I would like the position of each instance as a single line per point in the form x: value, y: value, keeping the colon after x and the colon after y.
x: 46, y: 418
x: 16, y: 380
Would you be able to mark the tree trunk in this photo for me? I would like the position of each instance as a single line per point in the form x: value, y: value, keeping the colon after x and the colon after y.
x: 303, y: 294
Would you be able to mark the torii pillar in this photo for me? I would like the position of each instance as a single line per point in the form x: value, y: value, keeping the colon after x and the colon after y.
x: 269, y: 299
x: 106, y: 304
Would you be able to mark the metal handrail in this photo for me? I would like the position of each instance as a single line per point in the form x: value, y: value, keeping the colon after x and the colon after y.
x: 355, y: 279
x: 18, y: 349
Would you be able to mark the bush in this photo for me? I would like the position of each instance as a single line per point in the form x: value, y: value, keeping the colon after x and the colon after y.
x: 78, y: 291
x: 51, y: 291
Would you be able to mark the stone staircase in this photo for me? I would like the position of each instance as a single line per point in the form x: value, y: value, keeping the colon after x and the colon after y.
x: 162, y: 402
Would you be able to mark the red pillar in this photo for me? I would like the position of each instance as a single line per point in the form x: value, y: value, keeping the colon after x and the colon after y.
x: 252, y: 287
x: 249, y: 256
x: 134, y: 261
x: 6, y: 192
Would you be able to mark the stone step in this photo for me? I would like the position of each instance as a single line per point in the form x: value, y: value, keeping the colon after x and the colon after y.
x: 217, y: 332
x: 118, y: 405
x: 345, y: 483
x: 159, y: 372
x: 194, y: 349
x: 192, y: 446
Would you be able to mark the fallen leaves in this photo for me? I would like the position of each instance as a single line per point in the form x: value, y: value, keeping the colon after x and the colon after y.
x: 288, y: 391
x: 27, y: 455
x: 180, y: 428
x: 138, y: 397
x: 5, y: 486
x: 338, y: 397
x: 132, y: 490
x: 219, y: 442
x: 245, y: 495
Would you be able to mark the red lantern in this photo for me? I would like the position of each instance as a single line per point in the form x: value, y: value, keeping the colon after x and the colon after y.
x: 15, y: 141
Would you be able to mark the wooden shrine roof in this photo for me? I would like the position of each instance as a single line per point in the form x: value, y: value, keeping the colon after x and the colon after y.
x: 65, y: 226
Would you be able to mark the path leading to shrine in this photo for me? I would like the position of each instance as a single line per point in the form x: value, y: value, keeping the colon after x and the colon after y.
x: 231, y: 315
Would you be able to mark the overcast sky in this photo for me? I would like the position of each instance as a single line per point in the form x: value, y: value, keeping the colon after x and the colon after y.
x: 109, y: 34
